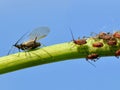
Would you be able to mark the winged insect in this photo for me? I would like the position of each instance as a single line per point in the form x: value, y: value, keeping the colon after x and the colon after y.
x: 32, y: 42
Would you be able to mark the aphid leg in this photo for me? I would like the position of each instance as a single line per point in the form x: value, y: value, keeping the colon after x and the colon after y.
x: 73, y: 45
x: 117, y: 57
x: 94, y: 60
x: 71, y: 34
x: 36, y: 54
x: 97, y: 58
x: 90, y: 63
x: 26, y: 51
x: 48, y: 53
x: 19, y: 52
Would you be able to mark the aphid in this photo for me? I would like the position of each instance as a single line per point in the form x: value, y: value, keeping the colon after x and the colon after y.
x: 97, y: 44
x: 79, y: 41
x: 92, y: 57
x: 116, y: 35
x: 104, y: 36
x: 34, y: 36
x: 117, y: 53
x: 112, y: 42
x: 101, y: 35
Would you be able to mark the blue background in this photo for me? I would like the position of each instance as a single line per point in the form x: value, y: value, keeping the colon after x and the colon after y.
x: 84, y: 17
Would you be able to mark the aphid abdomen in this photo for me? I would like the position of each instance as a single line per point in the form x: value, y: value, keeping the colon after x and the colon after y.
x: 107, y: 37
x: 37, y: 44
x: 101, y: 35
x: 80, y: 41
x: 112, y: 42
x: 104, y: 36
x: 97, y: 44
x: 116, y: 35
x: 30, y: 45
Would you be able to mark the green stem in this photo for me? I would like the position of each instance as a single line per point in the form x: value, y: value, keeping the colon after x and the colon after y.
x: 54, y: 53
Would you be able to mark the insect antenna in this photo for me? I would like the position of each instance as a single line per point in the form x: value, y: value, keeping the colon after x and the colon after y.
x: 72, y: 34
x: 20, y: 39
x: 10, y: 50
x: 16, y: 44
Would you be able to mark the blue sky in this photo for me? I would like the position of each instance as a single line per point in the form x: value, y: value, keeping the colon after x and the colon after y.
x: 84, y: 17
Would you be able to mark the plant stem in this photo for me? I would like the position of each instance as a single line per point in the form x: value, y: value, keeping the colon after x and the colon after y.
x: 54, y: 53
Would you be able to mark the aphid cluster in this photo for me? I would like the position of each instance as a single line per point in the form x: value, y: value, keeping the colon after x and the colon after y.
x: 111, y: 40
x: 99, y: 41
x: 108, y: 38
x: 93, y: 56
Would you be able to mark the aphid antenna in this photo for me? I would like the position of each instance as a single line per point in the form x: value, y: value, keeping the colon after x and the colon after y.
x: 10, y: 50
x: 91, y: 63
x: 20, y: 39
x: 16, y: 44
x: 72, y: 34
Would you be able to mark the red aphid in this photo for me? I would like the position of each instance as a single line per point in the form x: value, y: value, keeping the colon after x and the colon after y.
x: 97, y: 44
x: 112, y: 42
x: 117, y: 53
x: 101, y: 35
x: 92, y: 57
x: 104, y: 36
x: 116, y: 35
x: 79, y: 41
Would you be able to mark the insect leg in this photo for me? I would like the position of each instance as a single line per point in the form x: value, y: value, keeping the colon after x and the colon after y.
x: 19, y: 52
x: 91, y: 63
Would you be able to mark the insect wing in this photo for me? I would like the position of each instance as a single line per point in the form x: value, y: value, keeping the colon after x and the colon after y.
x: 40, y: 33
